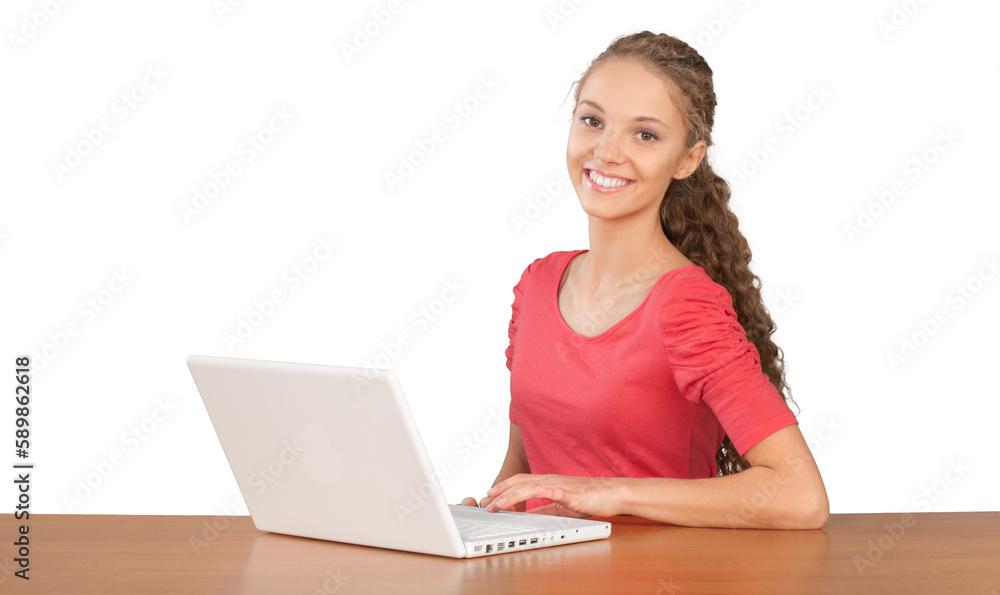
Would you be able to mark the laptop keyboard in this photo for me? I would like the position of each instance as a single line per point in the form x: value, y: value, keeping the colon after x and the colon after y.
x: 476, y: 530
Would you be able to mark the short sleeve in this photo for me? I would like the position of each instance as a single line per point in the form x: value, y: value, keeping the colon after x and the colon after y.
x: 515, y: 311
x: 714, y: 363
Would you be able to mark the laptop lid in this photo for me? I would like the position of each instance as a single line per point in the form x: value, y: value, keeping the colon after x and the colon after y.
x: 329, y: 452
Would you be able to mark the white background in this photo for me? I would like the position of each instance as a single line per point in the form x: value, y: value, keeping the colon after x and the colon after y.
x: 867, y: 97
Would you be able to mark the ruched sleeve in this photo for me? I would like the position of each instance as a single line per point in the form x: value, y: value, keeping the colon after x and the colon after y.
x: 515, y: 311
x: 714, y: 363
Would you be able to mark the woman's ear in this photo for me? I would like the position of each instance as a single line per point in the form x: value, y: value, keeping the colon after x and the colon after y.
x: 692, y: 159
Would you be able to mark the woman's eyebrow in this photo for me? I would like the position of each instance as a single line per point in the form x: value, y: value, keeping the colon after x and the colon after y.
x: 597, y: 107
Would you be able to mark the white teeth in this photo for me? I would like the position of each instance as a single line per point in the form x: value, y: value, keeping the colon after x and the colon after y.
x: 606, y: 182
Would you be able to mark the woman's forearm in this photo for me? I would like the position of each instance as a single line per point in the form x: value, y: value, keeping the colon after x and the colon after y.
x: 759, y: 497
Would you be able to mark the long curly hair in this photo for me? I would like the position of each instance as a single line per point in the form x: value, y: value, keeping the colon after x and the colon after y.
x: 695, y: 213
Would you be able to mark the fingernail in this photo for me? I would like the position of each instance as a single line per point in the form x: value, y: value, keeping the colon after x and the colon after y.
x: 501, y: 500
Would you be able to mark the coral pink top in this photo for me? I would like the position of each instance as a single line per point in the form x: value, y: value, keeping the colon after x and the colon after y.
x: 652, y: 396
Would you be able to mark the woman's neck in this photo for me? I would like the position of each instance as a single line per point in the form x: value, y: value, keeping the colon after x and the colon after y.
x: 624, y: 254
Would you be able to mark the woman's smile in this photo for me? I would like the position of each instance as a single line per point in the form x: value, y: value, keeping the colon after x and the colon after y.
x: 605, y: 182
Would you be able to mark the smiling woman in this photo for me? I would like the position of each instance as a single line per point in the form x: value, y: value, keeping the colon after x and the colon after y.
x: 643, y: 377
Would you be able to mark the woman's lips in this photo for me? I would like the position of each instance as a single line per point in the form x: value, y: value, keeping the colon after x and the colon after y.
x: 607, y: 184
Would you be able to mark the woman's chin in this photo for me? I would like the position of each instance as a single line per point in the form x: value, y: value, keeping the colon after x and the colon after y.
x: 608, y: 207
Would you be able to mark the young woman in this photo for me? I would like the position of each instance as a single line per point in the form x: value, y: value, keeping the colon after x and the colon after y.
x: 642, y: 368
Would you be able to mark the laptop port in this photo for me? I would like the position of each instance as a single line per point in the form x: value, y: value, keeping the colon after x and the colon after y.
x: 500, y: 547
x: 489, y: 549
x: 522, y: 542
x: 534, y: 540
x: 510, y: 544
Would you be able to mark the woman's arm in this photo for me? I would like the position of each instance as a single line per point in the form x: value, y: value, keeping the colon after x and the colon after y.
x: 514, y: 463
x: 782, y: 490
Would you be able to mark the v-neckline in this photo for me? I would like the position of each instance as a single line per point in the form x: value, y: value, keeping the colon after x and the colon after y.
x: 569, y: 330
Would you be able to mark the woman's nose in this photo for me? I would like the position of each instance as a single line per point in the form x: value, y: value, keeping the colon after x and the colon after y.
x: 608, y: 148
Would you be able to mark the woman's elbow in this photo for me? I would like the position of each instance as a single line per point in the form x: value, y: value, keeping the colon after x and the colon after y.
x: 813, y: 510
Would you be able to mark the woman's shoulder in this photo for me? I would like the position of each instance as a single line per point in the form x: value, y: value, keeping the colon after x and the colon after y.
x: 550, y: 263
x: 690, y: 293
x: 559, y: 257
x: 697, y: 323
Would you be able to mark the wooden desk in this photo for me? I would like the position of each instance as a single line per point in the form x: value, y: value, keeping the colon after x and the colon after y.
x: 855, y: 553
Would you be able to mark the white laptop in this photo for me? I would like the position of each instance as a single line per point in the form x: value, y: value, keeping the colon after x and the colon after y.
x: 332, y: 452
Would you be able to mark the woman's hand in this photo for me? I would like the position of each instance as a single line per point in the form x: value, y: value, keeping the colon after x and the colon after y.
x: 570, y: 496
x: 472, y: 502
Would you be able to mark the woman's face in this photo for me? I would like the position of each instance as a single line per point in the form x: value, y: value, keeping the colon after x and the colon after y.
x: 626, y: 142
